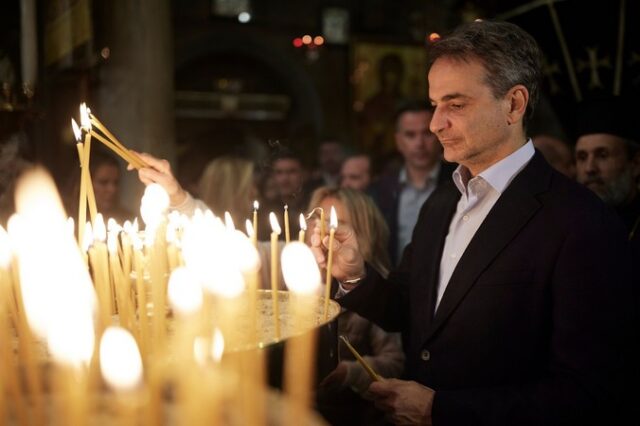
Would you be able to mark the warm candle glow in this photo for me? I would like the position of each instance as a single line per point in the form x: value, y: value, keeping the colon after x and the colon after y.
x: 303, y: 222
x: 113, y: 225
x: 245, y: 256
x: 120, y: 361
x: 249, y: 227
x: 217, y: 348
x: 256, y: 205
x: 85, y: 121
x: 87, y: 239
x: 333, y: 218
x: 71, y: 225
x: 99, y: 229
x: 228, y: 221
x: 77, y: 133
x: 153, y: 205
x: 275, y: 226
x: 300, y: 269
x: 184, y: 291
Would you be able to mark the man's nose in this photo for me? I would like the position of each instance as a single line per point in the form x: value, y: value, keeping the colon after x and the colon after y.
x: 438, y: 122
x: 591, y: 165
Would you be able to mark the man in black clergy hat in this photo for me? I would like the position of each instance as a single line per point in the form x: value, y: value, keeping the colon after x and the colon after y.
x: 608, y: 157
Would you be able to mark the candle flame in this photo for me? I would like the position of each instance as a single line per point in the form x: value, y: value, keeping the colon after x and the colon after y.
x: 303, y: 222
x: 300, y: 269
x: 85, y: 121
x: 217, y: 348
x: 120, y: 361
x: 99, y: 229
x: 153, y: 205
x: 59, y: 299
x: 250, y: 230
x: 112, y: 242
x: 228, y: 221
x: 275, y: 226
x: 256, y: 205
x: 71, y: 225
x: 184, y: 291
x: 171, y: 235
x: 113, y: 225
x: 333, y: 218
x: 77, y: 133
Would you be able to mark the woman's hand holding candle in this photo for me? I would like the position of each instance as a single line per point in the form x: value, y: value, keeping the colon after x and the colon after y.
x: 347, y: 264
x: 159, y: 171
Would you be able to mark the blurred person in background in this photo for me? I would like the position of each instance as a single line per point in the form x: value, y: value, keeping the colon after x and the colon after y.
x: 356, y: 172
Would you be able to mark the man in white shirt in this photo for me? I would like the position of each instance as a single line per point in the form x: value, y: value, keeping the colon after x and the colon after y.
x: 514, y: 295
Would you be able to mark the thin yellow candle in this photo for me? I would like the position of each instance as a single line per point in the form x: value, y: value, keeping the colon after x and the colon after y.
x: 303, y: 228
x: 124, y: 154
x: 287, y: 234
x: 322, y: 225
x: 86, y: 157
x: 137, y: 161
x: 143, y: 317
x: 327, y: 290
x: 256, y: 206
x: 228, y: 221
x: 82, y: 200
x: 275, y: 232
x: 301, y: 274
x: 121, y: 368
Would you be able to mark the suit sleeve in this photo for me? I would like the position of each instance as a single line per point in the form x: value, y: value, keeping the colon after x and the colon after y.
x: 591, y: 338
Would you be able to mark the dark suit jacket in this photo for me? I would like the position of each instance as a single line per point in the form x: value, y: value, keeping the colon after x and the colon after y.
x: 534, y: 326
x: 386, y: 194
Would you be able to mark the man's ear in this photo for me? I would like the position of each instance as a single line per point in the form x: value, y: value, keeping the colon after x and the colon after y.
x: 516, y: 99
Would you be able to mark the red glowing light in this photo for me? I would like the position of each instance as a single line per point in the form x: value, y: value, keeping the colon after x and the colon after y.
x: 434, y: 37
x: 297, y: 42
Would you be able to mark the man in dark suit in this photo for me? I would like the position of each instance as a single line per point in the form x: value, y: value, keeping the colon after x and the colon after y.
x: 401, y: 194
x: 514, y: 293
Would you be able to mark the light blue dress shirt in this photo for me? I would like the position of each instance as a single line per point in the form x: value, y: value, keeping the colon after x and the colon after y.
x: 479, y: 194
x: 410, y: 202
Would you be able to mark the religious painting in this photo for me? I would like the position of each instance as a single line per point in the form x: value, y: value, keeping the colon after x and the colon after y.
x: 382, y: 77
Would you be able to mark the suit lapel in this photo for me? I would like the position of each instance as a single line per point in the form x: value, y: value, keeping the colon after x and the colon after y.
x: 435, y: 232
x: 512, y: 211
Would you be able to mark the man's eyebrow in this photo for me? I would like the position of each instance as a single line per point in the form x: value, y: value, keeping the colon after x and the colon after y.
x: 451, y: 96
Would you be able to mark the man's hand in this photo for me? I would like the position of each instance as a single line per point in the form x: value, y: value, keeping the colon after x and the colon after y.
x: 347, y: 260
x: 159, y: 171
x: 335, y: 379
x: 404, y: 402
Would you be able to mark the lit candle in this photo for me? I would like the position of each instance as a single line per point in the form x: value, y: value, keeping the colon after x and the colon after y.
x: 86, y: 157
x: 121, y: 368
x: 303, y: 228
x: 82, y: 200
x: 275, y: 232
x: 228, y: 221
x: 301, y: 274
x: 333, y: 224
x: 287, y: 234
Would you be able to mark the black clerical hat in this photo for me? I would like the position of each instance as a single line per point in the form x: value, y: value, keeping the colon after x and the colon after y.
x: 613, y: 115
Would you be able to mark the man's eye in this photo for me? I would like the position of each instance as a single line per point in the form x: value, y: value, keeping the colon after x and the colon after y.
x: 457, y: 106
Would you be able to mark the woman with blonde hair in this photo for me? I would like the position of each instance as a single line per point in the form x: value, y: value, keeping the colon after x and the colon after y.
x: 340, y: 398
x: 227, y: 184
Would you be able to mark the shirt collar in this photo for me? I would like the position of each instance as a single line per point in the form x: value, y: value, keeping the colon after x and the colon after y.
x: 499, y: 175
x: 403, y: 177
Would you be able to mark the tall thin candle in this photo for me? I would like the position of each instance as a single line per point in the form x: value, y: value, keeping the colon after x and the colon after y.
x: 327, y: 290
x: 275, y: 232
